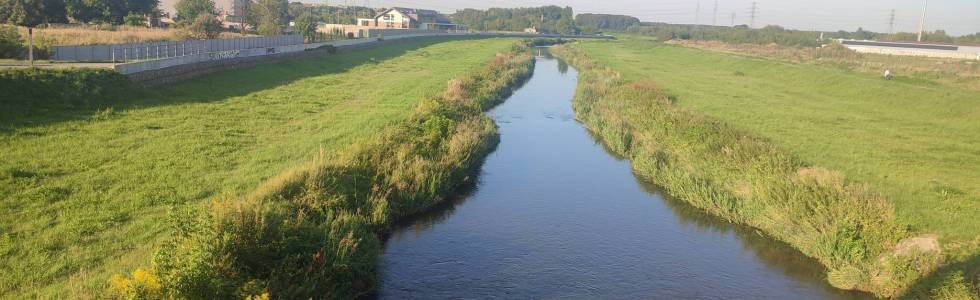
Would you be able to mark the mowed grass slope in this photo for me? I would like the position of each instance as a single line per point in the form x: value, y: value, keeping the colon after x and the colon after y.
x: 914, y: 140
x: 87, y: 197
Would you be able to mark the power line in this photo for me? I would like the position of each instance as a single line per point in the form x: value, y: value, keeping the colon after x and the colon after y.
x: 697, y: 14
x: 714, y: 20
x: 733, y: 19
x: 891, y: 23
x: 922, y: 21
x: 752, y: 17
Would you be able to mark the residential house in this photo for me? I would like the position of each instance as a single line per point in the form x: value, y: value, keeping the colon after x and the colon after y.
x: 410, y: 18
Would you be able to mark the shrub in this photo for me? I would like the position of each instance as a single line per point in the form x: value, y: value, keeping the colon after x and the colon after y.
x: 10, y: 42
x: 142, y: 284
x: 205, y: 26
x: 134, y: 19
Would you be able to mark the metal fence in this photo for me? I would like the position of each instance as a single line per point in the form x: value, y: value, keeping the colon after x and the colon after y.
x: 159, y: 50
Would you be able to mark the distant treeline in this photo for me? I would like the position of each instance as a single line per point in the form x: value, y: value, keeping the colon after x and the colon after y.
x: 546, y: 19
x: 600, y: 22
x: 34, y: 12
x: 787, y: 37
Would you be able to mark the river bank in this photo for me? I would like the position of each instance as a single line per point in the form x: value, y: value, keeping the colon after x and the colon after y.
x: 145, y: 162
x: 745, y: 179
x: 554, y: 214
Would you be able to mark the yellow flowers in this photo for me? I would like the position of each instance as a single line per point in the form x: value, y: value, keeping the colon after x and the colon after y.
x: 142, y: 285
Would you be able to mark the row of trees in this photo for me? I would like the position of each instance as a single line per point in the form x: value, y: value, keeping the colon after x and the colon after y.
x: 548, y: 19
x: 599, y: 22
x: 35, y: 12
x: 268, y: 17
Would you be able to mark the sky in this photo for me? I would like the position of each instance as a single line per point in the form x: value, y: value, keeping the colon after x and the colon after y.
x: 957, y: 17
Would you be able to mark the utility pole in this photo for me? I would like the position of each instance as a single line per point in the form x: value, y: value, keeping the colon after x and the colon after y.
x: 922, y: 21
x: 752, y: 17
x: 697, y: 14
x: 733, y: 19
x: 714, y: 20
x: 891, y: 23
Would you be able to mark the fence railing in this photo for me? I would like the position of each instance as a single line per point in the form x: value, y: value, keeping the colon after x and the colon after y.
x: 160, y: 50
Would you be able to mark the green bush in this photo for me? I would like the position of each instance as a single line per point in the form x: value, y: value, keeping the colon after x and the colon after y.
x: 205, y: 26
x: 134, y: 19
x: 10, y: 42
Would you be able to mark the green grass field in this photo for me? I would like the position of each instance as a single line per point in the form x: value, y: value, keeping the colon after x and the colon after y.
x: 87, y: 196
x: 914, y: 140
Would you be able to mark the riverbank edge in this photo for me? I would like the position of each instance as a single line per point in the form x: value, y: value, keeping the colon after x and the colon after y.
x: 845, y: 225
x: 314, y: 230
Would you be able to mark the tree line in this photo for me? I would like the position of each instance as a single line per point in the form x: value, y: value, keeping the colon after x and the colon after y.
x: 35, y: 12
x: 599, y: 22
x: 545, y: 19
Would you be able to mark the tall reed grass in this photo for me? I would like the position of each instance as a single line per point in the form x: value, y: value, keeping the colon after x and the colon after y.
x: 313, y: 231
x: 101, y: 35
x: 847, y: 226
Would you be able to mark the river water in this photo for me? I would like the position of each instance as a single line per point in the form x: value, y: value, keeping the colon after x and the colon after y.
x: 554, y: 215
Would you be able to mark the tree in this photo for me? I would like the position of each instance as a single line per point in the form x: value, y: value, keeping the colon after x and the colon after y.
x: 566, y: 22
x: 10, y: 43
x: 205, y: 26
x: 295, y: 10
x: 598, y: 22
x: 188, y: 10
x: 134, y: 19
x: 545, y: 19
x: 27, y: 13
x: 272, y: 16
x: 306, y: 26
x: 107, y: 11
x: 54, y: 11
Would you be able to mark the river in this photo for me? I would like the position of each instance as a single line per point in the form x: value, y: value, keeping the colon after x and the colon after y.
x: 555, y: 215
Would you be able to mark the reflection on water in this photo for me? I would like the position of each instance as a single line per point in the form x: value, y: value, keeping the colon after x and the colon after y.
x: 554, y: 215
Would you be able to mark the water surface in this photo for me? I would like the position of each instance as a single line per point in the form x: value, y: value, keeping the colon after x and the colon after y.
x: 554, y: 215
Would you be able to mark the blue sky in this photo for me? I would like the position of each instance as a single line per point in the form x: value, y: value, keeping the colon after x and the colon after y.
x: 955, y: 16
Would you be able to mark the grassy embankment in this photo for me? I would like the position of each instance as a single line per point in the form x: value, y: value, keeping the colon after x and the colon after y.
x: 944, y: 71
x: 313, y: 230
x: 86, y: 186
x: 841, y: 165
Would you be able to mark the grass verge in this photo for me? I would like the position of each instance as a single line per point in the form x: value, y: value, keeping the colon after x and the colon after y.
x: 313, y: 230
x: 848, y: 226
x: 85, y: 193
